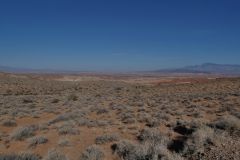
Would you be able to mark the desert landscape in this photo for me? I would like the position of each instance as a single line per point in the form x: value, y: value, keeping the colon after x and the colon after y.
x: 110, y: 117
x: 119, y: 80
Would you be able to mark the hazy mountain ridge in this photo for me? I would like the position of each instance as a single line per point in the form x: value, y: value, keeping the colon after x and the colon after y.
x: 206, y: 68
x: 215, y: 68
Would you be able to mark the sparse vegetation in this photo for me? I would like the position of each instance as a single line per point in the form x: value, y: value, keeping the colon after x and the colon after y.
x: 230, y: 124
x: 67, y: 129
x: 23, y: 156
x: 24, y: 132
x: 72, y: 97
x: 37, y: 140
x: 63, y: 142
x: 92, y: 153
x: 53, y: 154
x: 165, y: 121
x: 106, y: 138
x: 9, y: 123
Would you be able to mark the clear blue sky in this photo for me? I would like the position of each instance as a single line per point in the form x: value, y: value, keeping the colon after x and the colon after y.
x: 118, y: 34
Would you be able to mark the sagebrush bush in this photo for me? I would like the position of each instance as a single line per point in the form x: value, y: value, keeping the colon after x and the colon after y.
x: 92, y: 153
x: 63, y: 142
x: 9, y: 123
x: 67, y: 129
x: 106, y: 138
x: 153, y: 135
x: 24, y: 132
x: 37, y: 140
x: 23, y: 156
x: 55, y: 155
x: 72, y: 97
x: 201, y: 139
x: 230, y: 124
x: 128, y: 150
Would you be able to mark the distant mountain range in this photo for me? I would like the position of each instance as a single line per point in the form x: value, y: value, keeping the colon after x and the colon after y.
x: 27, y: 70
x: 206, y: 68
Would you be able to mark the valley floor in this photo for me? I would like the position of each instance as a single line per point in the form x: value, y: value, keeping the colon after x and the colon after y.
x: 105, y: 119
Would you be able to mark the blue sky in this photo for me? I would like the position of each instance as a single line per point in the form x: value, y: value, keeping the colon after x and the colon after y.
x: 122, y: 35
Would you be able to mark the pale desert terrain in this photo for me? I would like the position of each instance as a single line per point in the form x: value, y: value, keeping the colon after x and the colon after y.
x: 102, y: 117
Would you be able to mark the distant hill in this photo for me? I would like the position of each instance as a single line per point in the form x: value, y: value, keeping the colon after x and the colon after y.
x: 17, y: 70
x: 27, y: 70
x: 206, y: 68
x: 11, y: 69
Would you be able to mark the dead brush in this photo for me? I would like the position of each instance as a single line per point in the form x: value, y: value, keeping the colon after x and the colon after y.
x: 92, y: 153
x: 106, y: 138
x: 24, y: 132
x: 33, y: 142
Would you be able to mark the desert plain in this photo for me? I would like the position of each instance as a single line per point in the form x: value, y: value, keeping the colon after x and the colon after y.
x: 119, y: 117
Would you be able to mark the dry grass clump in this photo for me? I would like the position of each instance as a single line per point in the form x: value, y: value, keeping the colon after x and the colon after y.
x: 55, y: 155
x: 33, y: 142
x: 24, y: 132
x: 199, y: 141
x: 93, y: 123
x: 153, y: 136
x: 127, y: 117
x: 72, y: 97
x: 23, y: 156
x: 230, y: 124
x: 152, y: 122
x: 101, y: 111
x: 27, y: 100
x: 55, y: 100
x: 195, y: 140
x: 106, y: 138
x: 92, y: 153
x: 9, y: 123
x: 128, y: 150
x: 63, y: 142
x: 66, y: 117
x: 67, y: 129
x: 153, y: 145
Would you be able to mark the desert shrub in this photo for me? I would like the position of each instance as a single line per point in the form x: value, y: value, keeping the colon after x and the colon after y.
x: 106, y: 138
x: 92, y: 123
x: 236, y: 114
x: 152, y: 122
x: 230, y: 124
x: 55, y: 155
x: 66, y: 117
x: 143, y: 117
x: 27, y: 100
x: 127, y: 150
x: 161, y: 116
x: 201, y: 139
x: 43, y: 126
x: 24, y: 132
x: 153, y: 136
x: 101, y: 111
x: 37, y: 140
x: 72, y: 97
x: 63, y: 142
x: 127, y: 117
x: 184, y: 128
x: 55, y: 100
x: 67, y: 129
x: 23, y: 156
x: 153, y: 145
x: 82, y: 121
x: 117, y: 107
x: 9, y: 123
x: 92, y: 153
